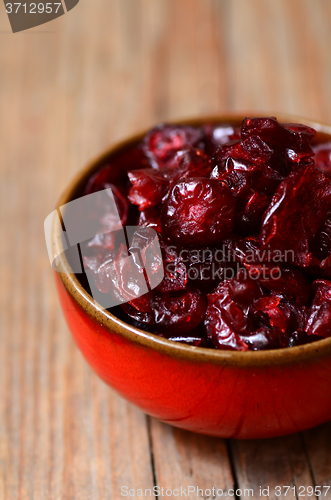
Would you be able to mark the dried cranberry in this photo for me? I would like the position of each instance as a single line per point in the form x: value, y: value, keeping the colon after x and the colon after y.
x: 207, y: 267
x: 175, y: 273
x: 150, y: 187
x: 252, y: 150
x: 198, y: 211
x: 321, y: 246
x: 323, y: 158
x: 191, y: 162
x: 269, y: 306
x: 254, y: 154
x: 237, y: 175
x: 278, y: 323
x: 114, y: 172
x: 325, y: 267
x: 297, y: 211
x: 292, y: 138
x: 227, y: 318
x: 150, y: 217
x: 122, y: 273
x: 224, y: 320
x: 105, y: 217
x: 249, y: 219
x: 266, y: 338
x: 297, y: 316
x: 94, y: 261
x: 144, y: 317
x: 319, y: 316
x: 300, y: 337
x: 179, y: 312
x: 286, y: 280
x: 121, y: 277
x: 143, y: 303
x: 98, y: 180
x: 244, y: 249
x: 217, y: 135
x: 163, y: 141
x: 253, y: 171
x: 244, y: 290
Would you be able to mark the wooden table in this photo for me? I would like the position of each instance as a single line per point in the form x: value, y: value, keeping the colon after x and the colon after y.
x: 69, y: 89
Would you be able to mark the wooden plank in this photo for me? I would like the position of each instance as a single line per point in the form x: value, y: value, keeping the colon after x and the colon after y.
x: 279, y: 60
x: 272, y: 463
x: 318, y: 444
x: 188, y: 461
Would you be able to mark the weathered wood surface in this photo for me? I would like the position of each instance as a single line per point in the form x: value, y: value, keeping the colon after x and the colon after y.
x: 69, y: 89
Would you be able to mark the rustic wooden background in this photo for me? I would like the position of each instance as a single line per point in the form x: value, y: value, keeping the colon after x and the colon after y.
x: 68, y: 89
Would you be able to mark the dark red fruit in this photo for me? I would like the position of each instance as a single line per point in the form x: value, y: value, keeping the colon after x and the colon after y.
x: 249, y: 219
x: 151, y: 187
x: 217, y: 135
x: 286, y: 280
x: 121, y: 277
x: 267, y: 338
x: 321, y: 245
x: 272, y: 314
x: 249, y: 164
x: 244, y: 290
x: 207, y: 267
x: 176, y: 313
x: 253, y: 171
x: 198, y: 211
x: 179, y: 312
x: 175, y: 273
x: 291, y: 138
x: 121, y: 273
x: 242, y: 215
x: 227, y: 318
x: 150, y: 217
x: 319, y: 316
x: 191, y: 162
x: 115, y: 171
x: 144, y: 317
x: 163, y: 141
x: 94, y: 261
x: 323, y: 158
x: 296, y: 213
x: 253, y: 150
x: 221, y: 318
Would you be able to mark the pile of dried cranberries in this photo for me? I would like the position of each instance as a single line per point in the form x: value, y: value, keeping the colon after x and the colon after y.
x: 243, y: 217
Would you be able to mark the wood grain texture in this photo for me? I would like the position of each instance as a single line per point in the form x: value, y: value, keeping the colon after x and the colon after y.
x: 68, y: 89
x: 273, y: 463
x: 189, y: 461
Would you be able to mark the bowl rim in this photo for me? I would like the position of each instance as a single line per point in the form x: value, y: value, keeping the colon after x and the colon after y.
x: 274, y: 357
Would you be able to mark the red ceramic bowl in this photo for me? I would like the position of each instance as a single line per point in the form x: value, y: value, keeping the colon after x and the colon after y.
x: 220, y: 393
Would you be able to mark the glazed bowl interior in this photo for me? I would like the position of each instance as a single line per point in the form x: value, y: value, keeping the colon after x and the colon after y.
x: 74, y: 287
